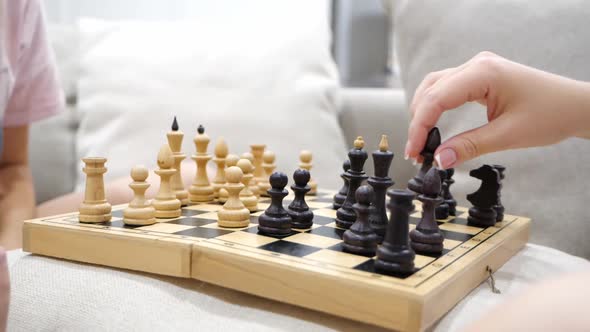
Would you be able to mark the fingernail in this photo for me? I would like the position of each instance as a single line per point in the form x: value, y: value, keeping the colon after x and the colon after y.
x: 414, y: 162
x: 446, y: 158
x: 407, y: 150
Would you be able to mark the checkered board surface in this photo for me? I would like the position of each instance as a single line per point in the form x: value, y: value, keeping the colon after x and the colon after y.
x: 317, y: 249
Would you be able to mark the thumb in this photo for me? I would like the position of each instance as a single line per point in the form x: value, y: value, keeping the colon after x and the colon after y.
x: 472, y: 144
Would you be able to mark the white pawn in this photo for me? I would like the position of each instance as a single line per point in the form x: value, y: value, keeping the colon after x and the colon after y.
x: 140, y: 210
x: 246, y: 195
x: 268, y: 164
x: 253, y: 183
x: 221, y: 151
x: 166, y: 203
x: 230, y: 160
x: 305, y: 163
x: 233, y: 213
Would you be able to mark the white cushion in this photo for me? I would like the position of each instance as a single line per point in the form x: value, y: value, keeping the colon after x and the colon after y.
x: 54, y: 295
x: 548, y: 184
x: 273, y: 82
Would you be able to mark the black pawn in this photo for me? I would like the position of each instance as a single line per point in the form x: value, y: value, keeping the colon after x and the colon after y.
x: 360, y: 238
x: 443, y: 210
x: 482, y: 213
x: 432, y: 143
x: 499, y: 207
x: 341, y: 195
x: 426, y: 237
x: 298, y: 210
x: 275, y: 221
x: 345, y: 216
x: 396, y: 255
x: 447, y: 195
x: 382, y: 159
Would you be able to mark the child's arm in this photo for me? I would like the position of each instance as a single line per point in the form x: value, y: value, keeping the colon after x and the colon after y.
x: 526, y: 107
x: 17, y: 198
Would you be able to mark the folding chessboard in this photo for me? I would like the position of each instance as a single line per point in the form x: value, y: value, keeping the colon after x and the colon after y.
x: 307, y: 268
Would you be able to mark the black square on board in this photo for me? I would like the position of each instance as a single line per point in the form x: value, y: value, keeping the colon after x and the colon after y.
x: 191, y: 221
x: 331, y: 232
x: 321, y: 220
x: 203, y: 232
x: 289, y: 248
x: 456, y: 235
x: 188, y: 213
x: 120, y: 224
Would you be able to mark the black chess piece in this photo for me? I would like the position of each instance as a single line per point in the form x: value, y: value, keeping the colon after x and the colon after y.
x: 426, y: 237
x: 300, y: 214
x: 432, y: 143
x: 345, y: 216
x: 175, y: 124
x: 443, y: 210
x: 382, y: 159
x: 360, y: 238
x: 499, y: 207
x: 447, y: 195
x: 275, y: 221
x: 482, y: 212
x: 396, y: 255
x: 341, y: 195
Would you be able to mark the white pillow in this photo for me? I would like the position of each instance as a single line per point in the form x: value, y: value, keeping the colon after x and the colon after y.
x: 548, y: 184
x: 260, y: 77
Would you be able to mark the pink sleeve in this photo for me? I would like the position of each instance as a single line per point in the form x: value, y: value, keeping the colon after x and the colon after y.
x: 36, y: 93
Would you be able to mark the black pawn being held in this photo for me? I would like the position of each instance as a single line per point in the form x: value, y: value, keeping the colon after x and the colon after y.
x: 341, y: 195
x: 426, y: 237
x: 360, y: 238
x: 395, y: 255
x: 300, y: 214
x: 275, y: 221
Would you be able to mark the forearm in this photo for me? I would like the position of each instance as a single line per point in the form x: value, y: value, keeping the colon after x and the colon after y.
x: 17, y: 203
x: 17, y: 197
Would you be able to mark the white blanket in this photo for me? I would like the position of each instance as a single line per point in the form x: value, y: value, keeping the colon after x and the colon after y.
x: 55, y: 295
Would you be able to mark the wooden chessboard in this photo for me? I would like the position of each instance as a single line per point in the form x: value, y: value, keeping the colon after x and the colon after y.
x: 307, y: 268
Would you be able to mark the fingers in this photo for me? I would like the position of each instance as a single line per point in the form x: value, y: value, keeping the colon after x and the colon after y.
x: 491, y: 137
x: 474, y: 82
x: 428, y: 81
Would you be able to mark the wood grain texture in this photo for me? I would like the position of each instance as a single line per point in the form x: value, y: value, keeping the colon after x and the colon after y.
x: 321, y: 279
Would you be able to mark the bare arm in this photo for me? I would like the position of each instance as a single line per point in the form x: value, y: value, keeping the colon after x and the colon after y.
x: 17, y: 197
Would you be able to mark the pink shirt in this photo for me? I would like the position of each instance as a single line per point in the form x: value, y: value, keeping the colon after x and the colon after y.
x: 29, y: 88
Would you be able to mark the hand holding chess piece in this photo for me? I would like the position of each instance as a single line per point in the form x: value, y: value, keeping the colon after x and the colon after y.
x: 140, y: 210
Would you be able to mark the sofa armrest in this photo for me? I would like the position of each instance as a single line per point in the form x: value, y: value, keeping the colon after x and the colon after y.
x: 371, y: 112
